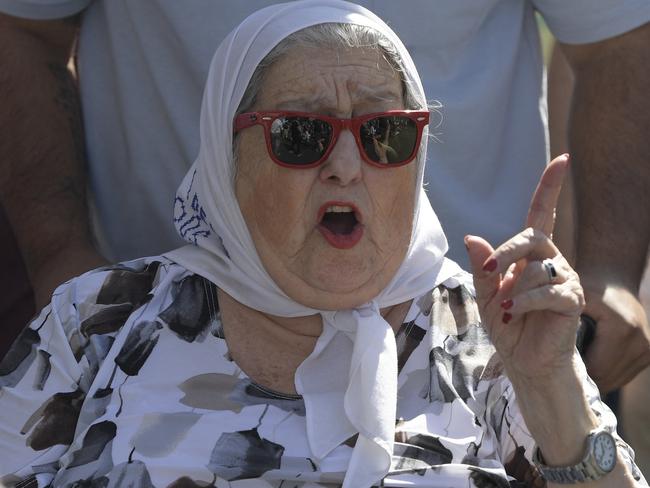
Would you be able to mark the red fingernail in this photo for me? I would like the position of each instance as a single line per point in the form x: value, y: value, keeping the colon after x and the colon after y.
x: 507, y: 304
x: 506, y: 318
x: 490, y: 266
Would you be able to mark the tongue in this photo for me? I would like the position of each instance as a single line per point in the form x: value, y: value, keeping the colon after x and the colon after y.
x: 339, y: 222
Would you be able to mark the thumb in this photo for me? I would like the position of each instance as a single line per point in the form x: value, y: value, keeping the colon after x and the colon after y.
x: 479, y: 250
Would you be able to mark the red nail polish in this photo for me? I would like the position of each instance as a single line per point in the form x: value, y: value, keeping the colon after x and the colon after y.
x: 506, y: 318
x: 507, y: 304
x: 490, y: 266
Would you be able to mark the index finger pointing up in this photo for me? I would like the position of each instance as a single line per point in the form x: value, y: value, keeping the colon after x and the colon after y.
x: 541, y: 213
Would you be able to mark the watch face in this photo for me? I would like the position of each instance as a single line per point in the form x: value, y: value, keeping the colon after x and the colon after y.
x: 605, y: 451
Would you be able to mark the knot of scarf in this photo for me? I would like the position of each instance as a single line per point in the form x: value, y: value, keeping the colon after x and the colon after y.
x: 340, y: 403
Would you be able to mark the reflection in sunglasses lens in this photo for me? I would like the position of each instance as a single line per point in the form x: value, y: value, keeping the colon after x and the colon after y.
x: 303, y: 140
x: 300, y: 140
x: 389, y: 139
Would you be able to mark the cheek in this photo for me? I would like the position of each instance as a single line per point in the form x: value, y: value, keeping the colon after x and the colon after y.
x: 273, y: 205
x: 281, y: 214
x: 394, y: 203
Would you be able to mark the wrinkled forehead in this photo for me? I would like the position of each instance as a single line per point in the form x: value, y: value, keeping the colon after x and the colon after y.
x: 261, y: 32
x: 307, y: 78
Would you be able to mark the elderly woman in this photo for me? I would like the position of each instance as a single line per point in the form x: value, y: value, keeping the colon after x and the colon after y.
x: 313, y: 334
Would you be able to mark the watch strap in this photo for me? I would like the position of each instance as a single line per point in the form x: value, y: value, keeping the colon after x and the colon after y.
x: 585, y: 470
x: 561, y: 475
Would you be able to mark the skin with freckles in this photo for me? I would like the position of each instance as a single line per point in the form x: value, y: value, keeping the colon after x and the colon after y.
x: 280, y: 205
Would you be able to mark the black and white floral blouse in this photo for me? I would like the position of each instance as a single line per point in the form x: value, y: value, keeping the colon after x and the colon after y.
x: 125, y: 380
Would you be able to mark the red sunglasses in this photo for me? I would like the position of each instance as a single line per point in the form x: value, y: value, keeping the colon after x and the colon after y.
x: 305, y: 140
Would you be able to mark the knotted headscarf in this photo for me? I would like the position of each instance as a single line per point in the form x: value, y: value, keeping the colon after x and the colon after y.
x: 349, y: 381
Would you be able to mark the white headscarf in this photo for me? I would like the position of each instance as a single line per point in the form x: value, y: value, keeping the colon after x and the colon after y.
x: 349, y: 381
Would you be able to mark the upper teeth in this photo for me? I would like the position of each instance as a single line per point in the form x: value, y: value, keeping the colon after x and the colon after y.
x: 339, y: 208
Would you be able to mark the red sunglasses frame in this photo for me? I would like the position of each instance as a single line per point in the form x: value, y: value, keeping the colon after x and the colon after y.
x: 249, y: 119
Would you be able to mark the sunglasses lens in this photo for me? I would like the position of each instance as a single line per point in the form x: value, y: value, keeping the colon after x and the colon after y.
x: 300, y: 140
x: 389, y: 139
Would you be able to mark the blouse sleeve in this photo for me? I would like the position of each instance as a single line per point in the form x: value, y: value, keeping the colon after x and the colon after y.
x: 516, y: 445
x: 45, y: 376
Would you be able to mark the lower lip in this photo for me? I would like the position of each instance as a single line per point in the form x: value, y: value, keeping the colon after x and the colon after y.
x: 342, y: 241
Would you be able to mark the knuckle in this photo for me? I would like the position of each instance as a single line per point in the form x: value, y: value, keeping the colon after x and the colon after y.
x: 574, y: 297
x: 578, y: 303
x: 528, y: 233
x: 563, y: 265
x: 561, y: 261
x: 538, y: 236
x: 507, y: 247
x: 578, y: 295
x: 575, y: 277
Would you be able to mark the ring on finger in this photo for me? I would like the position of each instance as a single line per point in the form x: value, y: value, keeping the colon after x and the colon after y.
x: 550, y: 270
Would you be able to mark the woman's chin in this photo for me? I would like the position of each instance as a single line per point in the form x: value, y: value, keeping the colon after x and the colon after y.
x: 333, y: 300
x: 331, y: 279
x: 338, y: 290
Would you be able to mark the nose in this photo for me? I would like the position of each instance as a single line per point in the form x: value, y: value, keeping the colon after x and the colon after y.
x: 343, y: 166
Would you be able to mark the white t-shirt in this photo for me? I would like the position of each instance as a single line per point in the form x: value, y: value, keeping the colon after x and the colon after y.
x: 142, y: 67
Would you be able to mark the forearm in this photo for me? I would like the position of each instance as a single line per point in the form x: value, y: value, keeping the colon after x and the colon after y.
x: 608, y: 139
x: 560, y: 88
x: 42, y: 181
x: 557, y: 413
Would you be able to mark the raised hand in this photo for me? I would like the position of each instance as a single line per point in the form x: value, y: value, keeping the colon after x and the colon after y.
x: 529, y: 297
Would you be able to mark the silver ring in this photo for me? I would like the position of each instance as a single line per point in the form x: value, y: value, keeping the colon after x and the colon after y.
x: 550, y: 270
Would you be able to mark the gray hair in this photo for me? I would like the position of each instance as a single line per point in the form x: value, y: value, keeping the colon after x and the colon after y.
x: 331, y: 36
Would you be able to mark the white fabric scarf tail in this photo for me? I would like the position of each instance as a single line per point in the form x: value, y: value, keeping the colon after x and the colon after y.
x: 369, y: 392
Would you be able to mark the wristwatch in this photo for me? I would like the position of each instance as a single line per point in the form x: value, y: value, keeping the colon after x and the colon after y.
x: 599, y: 459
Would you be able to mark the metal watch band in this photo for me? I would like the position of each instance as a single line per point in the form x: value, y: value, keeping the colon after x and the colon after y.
x: 586, y: 470
x: 561, y: 475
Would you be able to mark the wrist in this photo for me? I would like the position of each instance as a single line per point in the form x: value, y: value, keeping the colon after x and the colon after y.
x: 599, y: 459
x: 557, y: 413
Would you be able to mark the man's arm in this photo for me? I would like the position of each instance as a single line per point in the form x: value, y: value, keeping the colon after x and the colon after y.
x: 610, y: 148
x: 42, y: 163
x: 560, y: 88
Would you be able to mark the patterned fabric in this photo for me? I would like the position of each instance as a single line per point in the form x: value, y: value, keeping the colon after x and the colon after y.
x: 125, y: 380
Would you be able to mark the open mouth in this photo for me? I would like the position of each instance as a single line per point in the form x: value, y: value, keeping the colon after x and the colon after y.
x: 340, y: 224
x: 339, y: 219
